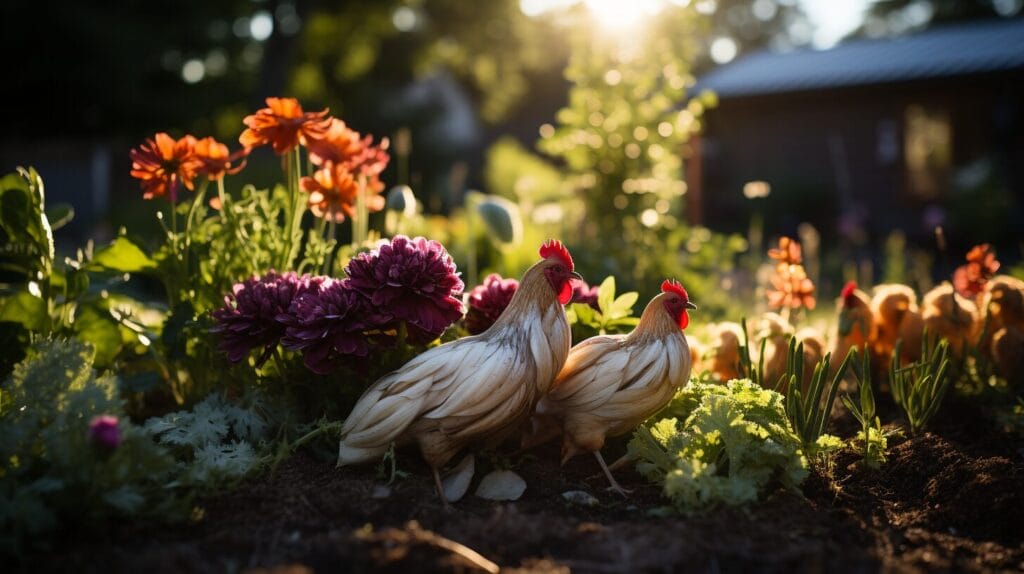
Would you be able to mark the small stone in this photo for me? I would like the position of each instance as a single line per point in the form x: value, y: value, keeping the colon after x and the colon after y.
x: 501, y: 485
x: 456, y: 482
x: 580, y: 497
x: 380, y: 491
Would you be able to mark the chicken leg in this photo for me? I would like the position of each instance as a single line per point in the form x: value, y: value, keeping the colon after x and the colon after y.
x: 611, y: 479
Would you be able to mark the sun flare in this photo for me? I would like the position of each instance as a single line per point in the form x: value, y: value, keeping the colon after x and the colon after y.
x: 622, y: 13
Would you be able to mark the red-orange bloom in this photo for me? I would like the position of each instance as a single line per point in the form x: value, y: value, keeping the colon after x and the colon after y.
x: 334, y: 189
x: 164, y: 164
x: 343, y: 146
x: 215, y: 160
x: 791, y: 288
x: 969, y: 280
x: 284, y: 126
x: 788, y: 252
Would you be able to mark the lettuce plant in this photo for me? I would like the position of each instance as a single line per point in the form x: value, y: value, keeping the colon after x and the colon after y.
x: 720, y: 444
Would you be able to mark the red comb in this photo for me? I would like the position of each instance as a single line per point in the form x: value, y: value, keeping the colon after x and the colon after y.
x: 554, y: 248
x: 673, y: 286
x: 848, y: 290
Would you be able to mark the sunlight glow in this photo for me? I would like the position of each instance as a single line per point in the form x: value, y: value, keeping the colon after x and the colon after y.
x: 622, y: 13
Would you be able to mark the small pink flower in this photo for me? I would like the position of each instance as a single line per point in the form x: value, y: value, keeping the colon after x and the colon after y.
x: 104, y: 433
x: 487, y: 301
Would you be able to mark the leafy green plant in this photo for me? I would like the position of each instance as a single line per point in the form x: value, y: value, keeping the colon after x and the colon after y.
x: 213, y: 442
x: 55, y: 474
x: 614, y: 316
x: 747, y: 369
x: 806, y: 411
x: 919, y: 387
x: 720, y: 444
x: 873, y: 440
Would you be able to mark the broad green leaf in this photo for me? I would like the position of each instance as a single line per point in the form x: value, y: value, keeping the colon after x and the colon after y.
x: 623, y: 305
x: 26, y: 309
x: 99, y: 328
x: 123, y: 255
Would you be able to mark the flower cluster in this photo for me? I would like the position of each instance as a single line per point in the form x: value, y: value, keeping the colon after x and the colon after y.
x: 487, y: 301
x: 791, y: 288
x: 347, y: 165
x: 585, y: 294
x: 164, y: 165
x: 409, y: 284
x: 250, y: 316
x: 970, y: 278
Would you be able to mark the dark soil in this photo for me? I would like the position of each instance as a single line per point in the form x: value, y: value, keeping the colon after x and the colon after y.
x: 949, y: 501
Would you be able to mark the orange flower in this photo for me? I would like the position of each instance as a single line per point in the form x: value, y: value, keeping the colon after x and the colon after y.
x: 792, y: 288
x: 981, y: 266
x: 788, y: 252
x: 333, y: 191
x: 215, y: 161
x: 163, y: 164
x: 284, y: 125
x: 341, y: 145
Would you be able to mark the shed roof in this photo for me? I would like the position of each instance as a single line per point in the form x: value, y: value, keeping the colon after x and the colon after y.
x: 952, y: 50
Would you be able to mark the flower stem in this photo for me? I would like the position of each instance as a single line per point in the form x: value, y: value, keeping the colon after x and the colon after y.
x: 332, y: 233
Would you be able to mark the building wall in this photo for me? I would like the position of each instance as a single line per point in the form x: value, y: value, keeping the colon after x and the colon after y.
x: 842, y: 160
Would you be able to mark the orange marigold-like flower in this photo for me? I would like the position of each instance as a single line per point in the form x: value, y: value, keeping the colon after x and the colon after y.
x: 788, y: 252
x: 333, y: 191
x: 284, y: 126
x: 215, y: 160
x: 791, y: 288
x: 164, y: 164
x: 343, y: 146
x: 970, y: 279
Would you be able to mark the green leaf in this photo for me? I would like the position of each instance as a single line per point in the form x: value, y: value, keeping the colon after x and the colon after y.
x: 60, y: 215
x: 606, y: 294
x: 99, y: 329
x: 124, y: 256
x: 623, y: 305
x: 26, y: 309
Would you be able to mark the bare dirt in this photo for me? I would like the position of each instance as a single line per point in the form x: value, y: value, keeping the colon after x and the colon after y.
x: 948, y: 501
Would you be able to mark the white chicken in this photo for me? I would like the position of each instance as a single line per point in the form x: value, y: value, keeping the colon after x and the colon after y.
x: 611, y: 383
x: 474, y: 391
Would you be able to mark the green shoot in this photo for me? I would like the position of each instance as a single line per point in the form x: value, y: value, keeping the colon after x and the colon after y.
x: 870, y: 435
x: 806, y: 411
x: 746, y: 366
x: 919, y: 387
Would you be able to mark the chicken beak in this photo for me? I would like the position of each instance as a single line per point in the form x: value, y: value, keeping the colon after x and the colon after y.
x: 691, y: 305
x: 575, y: 275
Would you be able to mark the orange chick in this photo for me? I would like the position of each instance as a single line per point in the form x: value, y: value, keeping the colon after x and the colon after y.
x: 855, y: 327
x: 896, y: 318
x: 610, y: 384
x: 776, y: 330
x: 725, y: 352
x: 474, y: 391
x: 949, y: 316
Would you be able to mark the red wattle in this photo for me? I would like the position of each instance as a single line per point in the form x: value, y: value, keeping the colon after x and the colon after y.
x: 565, y: 294
x: 684, y: 320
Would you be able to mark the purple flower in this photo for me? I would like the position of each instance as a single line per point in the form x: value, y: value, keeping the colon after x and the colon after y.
x: 583, y: 293
x: 329, y: 325
x: 103, y: 432
x: 250, y: 316
x: 487, y: 301
x: 411, y: 280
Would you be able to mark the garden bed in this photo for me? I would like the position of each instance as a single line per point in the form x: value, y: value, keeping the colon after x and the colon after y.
x: 952, y: 500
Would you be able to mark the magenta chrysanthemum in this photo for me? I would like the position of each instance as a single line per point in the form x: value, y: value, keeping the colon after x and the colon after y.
x: 413, y: 281
x: 329, y: 325
x: 104, y: 433
x: 583, y: 293
x: 250, y: 316
x: 487, y: 301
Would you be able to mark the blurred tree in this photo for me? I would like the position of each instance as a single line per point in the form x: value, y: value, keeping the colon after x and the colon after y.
x: 894, y: 17
x: 736, y: 27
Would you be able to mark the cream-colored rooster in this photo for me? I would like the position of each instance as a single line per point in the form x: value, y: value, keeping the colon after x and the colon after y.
x: 610, y: 384
x: 949, y: 316
x: 474, y: 391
